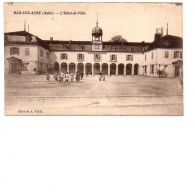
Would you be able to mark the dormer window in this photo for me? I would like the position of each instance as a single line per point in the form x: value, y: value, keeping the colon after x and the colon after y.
x: 166, y: 43
x: 28, y: 39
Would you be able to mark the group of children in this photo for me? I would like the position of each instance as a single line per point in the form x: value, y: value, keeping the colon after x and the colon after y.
x: 66, y: 77
x: 72, y: 77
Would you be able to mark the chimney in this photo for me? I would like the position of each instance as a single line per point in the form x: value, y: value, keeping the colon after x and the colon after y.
x: 157, y: 35
x: 51, y: 39
x: 162, y: 31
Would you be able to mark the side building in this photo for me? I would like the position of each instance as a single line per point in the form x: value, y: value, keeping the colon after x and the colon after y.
x: 26, y: 53
x: 164, y: 57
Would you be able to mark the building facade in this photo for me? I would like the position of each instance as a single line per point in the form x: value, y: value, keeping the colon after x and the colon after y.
x: 26, y: 53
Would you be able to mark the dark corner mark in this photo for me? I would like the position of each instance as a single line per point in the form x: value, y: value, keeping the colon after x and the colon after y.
x: 178, y: 4
x: 10, y: 3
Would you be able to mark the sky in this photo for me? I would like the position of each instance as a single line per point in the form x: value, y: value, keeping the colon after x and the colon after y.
x: 134, y: 21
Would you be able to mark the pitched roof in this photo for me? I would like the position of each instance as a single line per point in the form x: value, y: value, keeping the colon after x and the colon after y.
x: 19, y: 33
x: 167, y: 41
x: 25, y: 33
x: 87, y: 46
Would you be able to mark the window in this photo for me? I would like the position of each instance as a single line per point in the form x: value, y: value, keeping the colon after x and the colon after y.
x: 113, y: 57
x: 28, y: 39
x: 145, y: 57
x: 152, y: 55
x: 64, y: 56
x: 129, y: 57
x: 97, y: 57
x: 176, y: 54
x: 27, y: 51
x: 96, y: 46
x: 14, y: 50
x: 145, y: 69
x: 151, y: 69
x: 166, y: 54
x: 41, y: 52
x: 80, y: 56
x: 47, y: 55
x: 181, y: 54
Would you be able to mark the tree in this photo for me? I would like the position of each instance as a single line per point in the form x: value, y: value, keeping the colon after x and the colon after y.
x: 118, y: 39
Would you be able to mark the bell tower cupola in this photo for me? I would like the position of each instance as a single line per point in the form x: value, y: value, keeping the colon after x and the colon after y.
x: 97, y: 38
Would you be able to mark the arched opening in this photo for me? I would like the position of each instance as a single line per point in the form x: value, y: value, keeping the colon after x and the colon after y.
x: 72, y: 68
x: 136, y: 66
x: 80, y: 67
x: 128, y: 69
x: 105, y: 69
x: 56, y: 67
x: 64, y: 67
x: 121, y: 69
x: 96, y: 68
x: 112, y: 69
x: 88, y: 68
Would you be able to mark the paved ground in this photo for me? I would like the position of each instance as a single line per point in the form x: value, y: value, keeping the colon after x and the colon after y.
x: 118, y: 95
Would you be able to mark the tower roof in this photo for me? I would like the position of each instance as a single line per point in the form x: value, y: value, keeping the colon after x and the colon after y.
x: 97, y: 31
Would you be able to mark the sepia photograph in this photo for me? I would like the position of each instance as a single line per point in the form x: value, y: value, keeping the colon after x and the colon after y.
x: 95, y: 99
x: 93, y: 59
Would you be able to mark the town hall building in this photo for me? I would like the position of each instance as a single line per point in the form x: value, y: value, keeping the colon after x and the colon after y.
x: 26, y: 53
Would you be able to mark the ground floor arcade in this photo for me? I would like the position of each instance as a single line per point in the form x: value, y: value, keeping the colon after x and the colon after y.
x: 89, y: 68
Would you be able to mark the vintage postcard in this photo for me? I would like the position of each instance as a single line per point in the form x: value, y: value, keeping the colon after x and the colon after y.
x: 93, y: 59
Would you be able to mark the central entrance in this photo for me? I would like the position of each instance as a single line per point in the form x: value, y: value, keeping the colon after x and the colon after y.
x: 121, y: 69
x: 96, y: 68
x: 113, y: 69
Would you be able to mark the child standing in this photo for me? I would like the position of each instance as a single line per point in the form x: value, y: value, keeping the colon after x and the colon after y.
x: 47, y: 76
